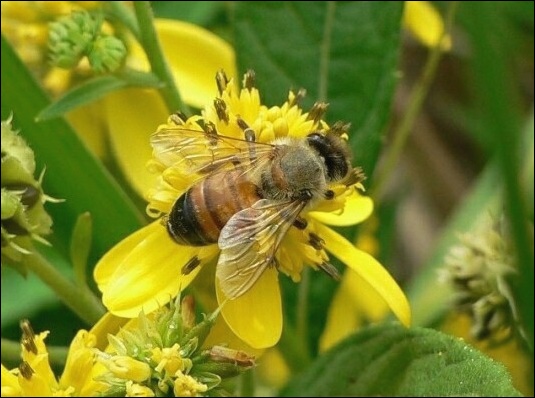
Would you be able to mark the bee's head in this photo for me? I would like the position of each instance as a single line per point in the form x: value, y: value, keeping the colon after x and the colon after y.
x: 334, y: 152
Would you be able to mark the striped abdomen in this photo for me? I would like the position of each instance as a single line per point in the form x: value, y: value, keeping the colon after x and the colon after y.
x: 199, y: 215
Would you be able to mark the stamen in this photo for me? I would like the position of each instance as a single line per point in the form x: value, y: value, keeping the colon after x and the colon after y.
x: 193, y: 263
x: 248, y: 132
x: 211, y: 133
x: 28, y: 337
x: 330, y: 270
x: 178, y: 118
x: 317, y: 112
x: 249, y: 80
x: 298, y: 97
x: 339, y: 128
x: 315, y: 241
x: 221, y: 110
x: 221, y: 80
x: 26, y: 370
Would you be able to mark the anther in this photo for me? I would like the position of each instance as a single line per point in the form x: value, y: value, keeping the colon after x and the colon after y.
x: 193, y: 263
x: 330, y: 270
x: 221, y: 110
x: 221, y: 80
x: 249, y: 79
x: 317, y: 112
x: 315, y: 241
x: 28, y: 337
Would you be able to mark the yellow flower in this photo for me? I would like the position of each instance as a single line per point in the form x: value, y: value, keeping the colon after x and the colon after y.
x: 425, y: 23
x: 144, y: 270
x: 35, y: 378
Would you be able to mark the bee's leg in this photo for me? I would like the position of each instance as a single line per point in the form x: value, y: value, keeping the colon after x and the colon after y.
x: 328, y: 194
x: 249, y: 135
x: 300, y: 223
x: 190, y: 265
x: 317, y: 243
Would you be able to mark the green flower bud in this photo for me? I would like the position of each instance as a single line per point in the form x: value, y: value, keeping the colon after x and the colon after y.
x: 70, y: 38
x: 477, y: 269
x: 164, y: 362
x: 107, y: 54
x: 23, y: 215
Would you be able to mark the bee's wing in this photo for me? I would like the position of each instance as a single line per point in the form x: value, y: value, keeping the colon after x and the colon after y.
x: 249, y: 242
x: 204, y: 152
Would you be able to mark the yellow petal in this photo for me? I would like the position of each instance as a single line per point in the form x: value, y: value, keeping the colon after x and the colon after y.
x: 147, y: 277
x: 132, y: 116
x: 194, y: 55
x: 10, y: 384
x: 108, y: 324
x: 357, y: 208
x: 342, y: 319
x: 109, y: 263
x: 89, y: 123
x: 256, y: 316
x: 369, y: 269
x: 425, y: 23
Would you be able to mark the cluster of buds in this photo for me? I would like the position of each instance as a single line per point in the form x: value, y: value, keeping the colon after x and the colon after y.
x: 162, y: 354
x: 478, y: 269
x: 80, y: 35
x: 23, y: 215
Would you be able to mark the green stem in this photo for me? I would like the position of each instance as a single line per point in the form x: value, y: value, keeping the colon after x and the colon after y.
x: 248, y: 383
x: 416, y: 99
x: 294, y: 349
x: 120, y: 11
x: 325, y: 49
x: 11, y: 353
x: 81, y: 301
x: 158, y: 64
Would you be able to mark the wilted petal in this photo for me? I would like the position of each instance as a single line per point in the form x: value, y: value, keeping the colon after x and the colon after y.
x: 370, y: 270
x: 256, y: 316
x: 357, y: 208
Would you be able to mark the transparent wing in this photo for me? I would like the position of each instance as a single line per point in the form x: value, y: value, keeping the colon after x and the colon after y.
x: 199, y: 151
x: 249, y: 242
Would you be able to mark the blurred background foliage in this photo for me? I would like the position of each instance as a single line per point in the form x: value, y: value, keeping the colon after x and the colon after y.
x: 470, y: 150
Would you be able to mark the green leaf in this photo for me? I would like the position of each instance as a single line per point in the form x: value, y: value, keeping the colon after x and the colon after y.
x: 429, y: 297
x: 72, y: 172
x: 390, y: 360
x: 344, y: 53
x: 196, y: 12
x: 95, y: 89
x: 80, y: 246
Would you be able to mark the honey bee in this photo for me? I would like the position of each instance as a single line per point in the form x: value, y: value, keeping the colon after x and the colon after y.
x: 247, y: 194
